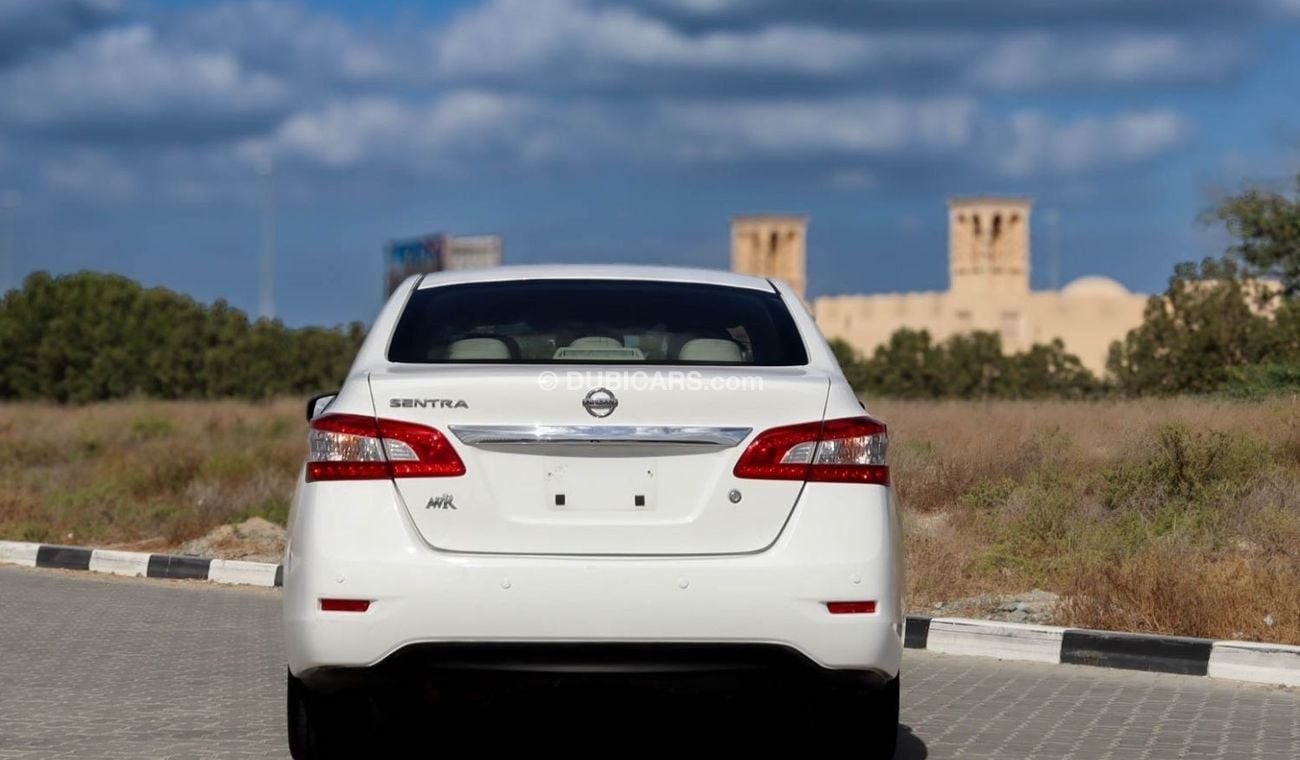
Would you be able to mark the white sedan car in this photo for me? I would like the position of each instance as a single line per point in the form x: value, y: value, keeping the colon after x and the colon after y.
x: 624, y: 471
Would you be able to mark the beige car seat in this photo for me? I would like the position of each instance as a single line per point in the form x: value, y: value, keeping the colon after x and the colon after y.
x: 714, y: 350
x: 471, y: 349
x: 596, y: 341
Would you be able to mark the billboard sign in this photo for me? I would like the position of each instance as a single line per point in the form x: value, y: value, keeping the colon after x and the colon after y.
x: 403, y: 258
x: 472, y: 252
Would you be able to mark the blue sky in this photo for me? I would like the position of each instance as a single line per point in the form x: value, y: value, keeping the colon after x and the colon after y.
x: 595, y: 130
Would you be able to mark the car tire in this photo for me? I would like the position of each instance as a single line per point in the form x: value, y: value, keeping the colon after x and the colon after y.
x: 298, y: 719
x: 872, y: 710
x: 326, y: 725
x: 884, y: 720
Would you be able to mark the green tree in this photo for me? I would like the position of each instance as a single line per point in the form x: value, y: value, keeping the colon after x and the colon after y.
x: 970, y: 365
x: 1047, y: 370
x: 1194, y: 334
x: 89, y: 336
x: 851, y: 363
x: 973, y: 366
x: 908, y: 366
x: 1266, y: 226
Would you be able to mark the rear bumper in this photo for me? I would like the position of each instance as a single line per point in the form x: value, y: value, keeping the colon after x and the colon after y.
x: 697, y: 666
x: 841, y: 544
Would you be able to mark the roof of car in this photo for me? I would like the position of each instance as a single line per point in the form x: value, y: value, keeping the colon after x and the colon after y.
x: 596, y: 272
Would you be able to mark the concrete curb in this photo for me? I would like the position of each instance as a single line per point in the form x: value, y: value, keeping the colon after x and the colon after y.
x: 1274, y: 664
x: 141, y: 564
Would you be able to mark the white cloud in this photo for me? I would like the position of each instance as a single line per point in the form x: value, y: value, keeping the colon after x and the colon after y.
x: 704, y: 7
x: 286, y: 37
x: 558, y: 45
x: 475, y: 128
x: 864, y: 125
x: 125, y: 78
x: 1042, y: 59
x: 526, y: 83
x: 520, y: 39
x: 1039, y: 145
x: 481, y: 130
x: 390, y: 132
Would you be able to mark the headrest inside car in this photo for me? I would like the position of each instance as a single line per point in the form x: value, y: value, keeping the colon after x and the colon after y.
x: 478, y: 349
x: 596, y: 341
x: 717, y: 350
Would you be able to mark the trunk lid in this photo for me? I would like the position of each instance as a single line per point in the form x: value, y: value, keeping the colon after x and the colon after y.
x: 652, y: 477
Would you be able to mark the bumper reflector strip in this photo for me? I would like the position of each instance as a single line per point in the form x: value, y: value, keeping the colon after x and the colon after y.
x: 344, y: 605
x: 851, y: 608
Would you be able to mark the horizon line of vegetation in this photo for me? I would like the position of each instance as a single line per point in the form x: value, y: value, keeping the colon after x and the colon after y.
x: 89, y: 336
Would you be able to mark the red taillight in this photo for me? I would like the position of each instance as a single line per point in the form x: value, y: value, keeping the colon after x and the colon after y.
x: 768, y: 455
x: 357, y: 447
x: 848, y: 450
x: 851, y: 608
x: 344, y: 605
x: 417, y: 451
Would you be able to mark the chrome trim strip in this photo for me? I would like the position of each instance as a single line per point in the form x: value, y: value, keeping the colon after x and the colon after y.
x: 485, y: 435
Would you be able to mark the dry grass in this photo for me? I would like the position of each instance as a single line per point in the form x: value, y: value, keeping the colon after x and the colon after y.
x: 150, y: 473
x: 1176, y: 515
x: 1180, y: 516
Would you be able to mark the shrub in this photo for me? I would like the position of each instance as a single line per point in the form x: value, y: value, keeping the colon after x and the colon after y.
x: 89, y: 337
x: 1173, y: 515
x: 1185, y: 467
x: 966, y: 366
x: 1208, y: 326
x: 1262, y: 380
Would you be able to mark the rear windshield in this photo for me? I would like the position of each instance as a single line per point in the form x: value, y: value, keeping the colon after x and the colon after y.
x: 590, y: 321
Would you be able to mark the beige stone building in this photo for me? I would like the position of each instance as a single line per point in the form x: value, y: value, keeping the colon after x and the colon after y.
x: 770, y: 245
x: 988, y: 260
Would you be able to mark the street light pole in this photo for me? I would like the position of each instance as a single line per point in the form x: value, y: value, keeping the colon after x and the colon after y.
x: 8, y: 211
x: 1054, y: 246
x: 266, y: 273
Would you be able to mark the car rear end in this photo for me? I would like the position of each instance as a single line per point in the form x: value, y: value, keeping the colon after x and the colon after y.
x: 618, y: 471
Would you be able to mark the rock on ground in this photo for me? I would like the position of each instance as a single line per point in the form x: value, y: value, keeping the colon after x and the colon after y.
x: 255, y: 540
x: 1035, y: 606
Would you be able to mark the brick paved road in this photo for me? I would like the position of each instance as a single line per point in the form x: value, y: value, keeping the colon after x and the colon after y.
x: 98, y: 667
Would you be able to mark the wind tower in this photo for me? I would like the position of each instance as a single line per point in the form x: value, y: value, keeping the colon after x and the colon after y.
x: 988, y: 246
x: 771, y: 245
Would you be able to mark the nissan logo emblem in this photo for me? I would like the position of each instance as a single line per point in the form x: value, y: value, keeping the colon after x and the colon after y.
x: 600, y: 402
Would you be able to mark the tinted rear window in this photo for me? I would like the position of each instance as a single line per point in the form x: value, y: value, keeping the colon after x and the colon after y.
x: 591, y: 321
